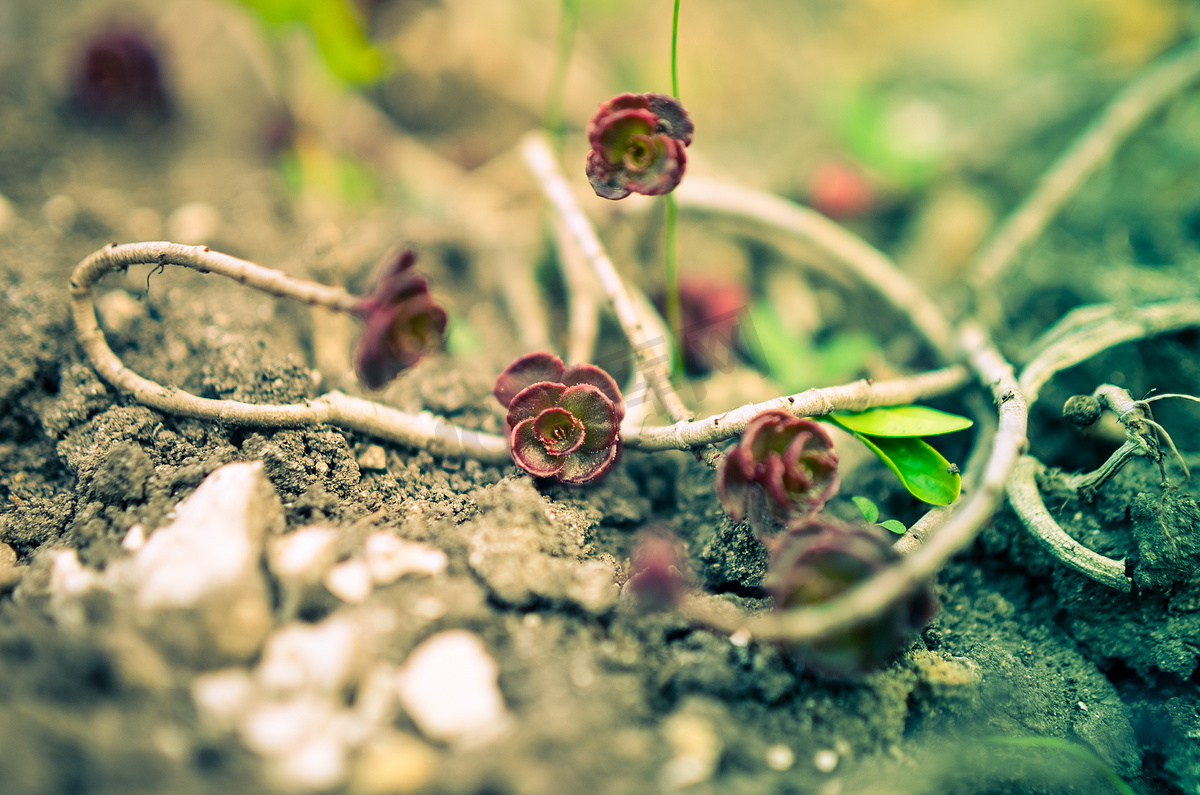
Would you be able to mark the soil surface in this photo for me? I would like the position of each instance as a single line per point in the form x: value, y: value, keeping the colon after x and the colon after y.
x: 500, y: 654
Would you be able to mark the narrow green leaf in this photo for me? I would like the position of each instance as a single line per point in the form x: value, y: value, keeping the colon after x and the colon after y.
x: 901, y: 421
x: 870, y: 510
x: 923, y: 471
x: 895, y: 526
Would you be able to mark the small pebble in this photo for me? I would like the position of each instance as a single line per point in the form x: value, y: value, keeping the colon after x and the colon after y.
x: 825, y: 760
x: 696, y: 749
x: 303, y: 556
x: 373, y: 457
x: 394, y: 764
x: 449, y: 688
x: 8, y: 556
x: 310, y: 657
x: 275, y: 728
x: 316, y: 766
x: 349, y: 581
x: 222, y: 696
x: 389, y: 558
x: 780, y: 757
x: 135, y: 538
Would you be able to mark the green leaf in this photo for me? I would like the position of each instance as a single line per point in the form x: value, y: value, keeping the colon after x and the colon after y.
x: 895, y: 526
x: 924, y: 472
x: 900, y: 421
x: 870, y: 510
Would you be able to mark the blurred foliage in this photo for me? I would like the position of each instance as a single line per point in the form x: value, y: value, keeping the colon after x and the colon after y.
x: 337, y: 29
x: 796, y: 362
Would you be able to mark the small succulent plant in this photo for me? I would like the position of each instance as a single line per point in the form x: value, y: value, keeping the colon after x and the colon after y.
x: 564, y: 421
x: 638, y: 145
x: 118, y: 78
x: 401, y: 323
x: 791, y: 460
x: 815, y: 562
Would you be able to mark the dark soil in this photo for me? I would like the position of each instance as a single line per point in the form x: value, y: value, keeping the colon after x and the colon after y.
x: 1031, y: 679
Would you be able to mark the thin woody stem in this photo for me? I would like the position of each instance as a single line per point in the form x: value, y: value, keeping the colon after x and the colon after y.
x: 651, y: 354
x: 1091, y: 331
x: 423, y: 430
x: 1162, y: 80
x: 856, y: 396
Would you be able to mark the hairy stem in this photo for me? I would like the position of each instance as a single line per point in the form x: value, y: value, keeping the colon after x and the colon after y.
x: 856, y: 396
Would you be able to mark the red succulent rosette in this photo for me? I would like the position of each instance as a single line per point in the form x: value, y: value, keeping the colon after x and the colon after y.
x: 791, y: 459
x: 638, y: 145
x: 564, y: 421
x: 817, y: 561
x: 401, y: 323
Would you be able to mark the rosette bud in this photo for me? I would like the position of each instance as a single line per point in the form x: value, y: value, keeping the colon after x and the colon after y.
x: 638, y: 145
x: 791, y: 460
x: 564, y: 421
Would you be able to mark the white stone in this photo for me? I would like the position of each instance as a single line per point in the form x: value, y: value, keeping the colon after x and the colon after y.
x: 68, y: 577
x: 274, y: 728
x: 135, y: 538
x: 696, y: 748
x: 448, y: 687
x: 198, y: 581
x: 222, y: 696
x: 389, y: 558
x: 349, y: 581
x: 305, y: 555
x: 780, y: 757
x: 313, y: 658
x: 316, y: 766
x: 825, y: 760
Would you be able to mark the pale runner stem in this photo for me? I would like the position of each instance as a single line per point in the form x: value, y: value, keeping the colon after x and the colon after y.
x: 871, y: 265
x: 1025, y: 499
x: 1086, y: 339
x: 584, y: 308
x: 423, y: 430
x: 651, y: 355
x: 1161, y: 81
x: 1096, y: 332
x: 868, y: 599
x: 856, y: 396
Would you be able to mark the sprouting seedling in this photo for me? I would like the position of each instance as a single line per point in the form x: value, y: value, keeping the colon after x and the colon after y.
x: 870, y: 512
x: 564, y: 422
x: 894, y: 434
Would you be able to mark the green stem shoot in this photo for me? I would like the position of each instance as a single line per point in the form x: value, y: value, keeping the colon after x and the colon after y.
x: 674, y: 311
